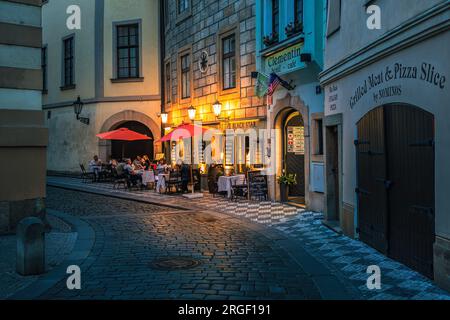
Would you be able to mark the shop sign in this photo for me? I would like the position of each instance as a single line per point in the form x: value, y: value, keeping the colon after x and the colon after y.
x: 296, y: 140
x: 379, y: 83
x: 285, y: 61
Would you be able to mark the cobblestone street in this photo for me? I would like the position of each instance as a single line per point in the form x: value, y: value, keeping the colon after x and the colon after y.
x: 155, y: 246
x: 235, y: 261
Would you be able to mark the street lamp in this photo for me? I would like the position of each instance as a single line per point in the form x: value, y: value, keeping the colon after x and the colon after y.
x: 191, y: 112
x: 164, y: 117
x: 77, y: 108
x: 217, y: 107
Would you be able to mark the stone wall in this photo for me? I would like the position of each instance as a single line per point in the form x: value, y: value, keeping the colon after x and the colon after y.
x: 200, y: 30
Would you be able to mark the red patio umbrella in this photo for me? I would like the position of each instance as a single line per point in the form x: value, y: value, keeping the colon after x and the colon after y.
x: 185, y: 131
x: 123, y: 134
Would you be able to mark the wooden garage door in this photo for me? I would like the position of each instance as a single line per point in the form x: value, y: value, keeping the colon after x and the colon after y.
x: 410, y: 148
x: 372, y: 194
x: 395, y: 150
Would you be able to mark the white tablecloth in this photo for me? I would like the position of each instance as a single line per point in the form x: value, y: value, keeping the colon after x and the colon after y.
x: 161, y: 184
x: 148, y: 177
x: 224, y: 183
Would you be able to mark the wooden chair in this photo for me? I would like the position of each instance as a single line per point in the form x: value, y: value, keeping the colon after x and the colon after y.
x: 174, y: 181
x: 239, y: 189
x: 119, y: 178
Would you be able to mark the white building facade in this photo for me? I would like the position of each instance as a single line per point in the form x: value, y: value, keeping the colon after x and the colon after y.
x: 112, y: 63
x: 387, y: 129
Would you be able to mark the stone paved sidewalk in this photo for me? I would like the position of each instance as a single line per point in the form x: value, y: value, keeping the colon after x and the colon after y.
x: 348, y: 258
x: 59, y: 243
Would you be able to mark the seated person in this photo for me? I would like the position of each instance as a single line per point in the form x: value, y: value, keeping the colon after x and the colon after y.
x: 134, y: 177
x: 95, y: 166
x: 146, y: 163
x: 137, y: 164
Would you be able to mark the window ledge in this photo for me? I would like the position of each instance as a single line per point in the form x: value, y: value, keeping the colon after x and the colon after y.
x: 68, y: 87
x: 283, y: 44
x: 183, y: 16
x: 125, y: 80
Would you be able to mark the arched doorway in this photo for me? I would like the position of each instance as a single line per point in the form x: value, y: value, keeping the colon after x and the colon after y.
x: 395, y: 168
x: 294, y: 153
x: 132, y: 149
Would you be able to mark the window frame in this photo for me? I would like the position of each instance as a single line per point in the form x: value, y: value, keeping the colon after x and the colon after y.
x: 228, y: 56
x: 183, y: 15
x: 187, y: 50
x: 275, y: 18
x: 168, y: 81
x: 115, y: 56
x: 318, y: 137
x: 129, y: 47
x: 296, y: 9
x: 223, y: 34
x: 185, y: 75
x: 333, y: 18
x: 64, y: 84
x: 44, y: 67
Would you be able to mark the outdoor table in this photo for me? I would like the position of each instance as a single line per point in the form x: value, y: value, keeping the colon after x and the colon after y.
x: 161, y: 181
x: 226, y: 182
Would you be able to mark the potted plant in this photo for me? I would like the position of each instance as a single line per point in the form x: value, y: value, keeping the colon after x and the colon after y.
x: 270, y: 39
x: 293, y: 28
x: 286, y: 180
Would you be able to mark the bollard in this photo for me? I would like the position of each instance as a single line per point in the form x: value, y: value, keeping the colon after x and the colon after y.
x: 30, y: 247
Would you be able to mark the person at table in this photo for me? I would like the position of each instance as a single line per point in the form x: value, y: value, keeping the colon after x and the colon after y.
x: 137, y: 163
x: 146, y: 162
x: 95, y: 166
x: 134, y: 176
x: 160, y: 168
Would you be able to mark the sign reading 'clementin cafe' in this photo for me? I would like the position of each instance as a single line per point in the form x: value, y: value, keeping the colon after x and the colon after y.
x: 286, y: 60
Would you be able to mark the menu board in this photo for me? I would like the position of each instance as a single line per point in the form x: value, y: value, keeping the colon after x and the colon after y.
x: 296, y: 140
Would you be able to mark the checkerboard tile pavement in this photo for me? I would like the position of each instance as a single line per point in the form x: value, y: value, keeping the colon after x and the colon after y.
x: 350, y: 259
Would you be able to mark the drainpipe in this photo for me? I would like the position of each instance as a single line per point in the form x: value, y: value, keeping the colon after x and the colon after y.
x: 162, y: 53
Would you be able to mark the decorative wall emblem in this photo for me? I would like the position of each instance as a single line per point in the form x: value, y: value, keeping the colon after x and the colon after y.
x: 203, y: 62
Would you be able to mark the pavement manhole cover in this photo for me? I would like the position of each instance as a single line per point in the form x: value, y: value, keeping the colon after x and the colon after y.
x: 175, y: 263
x: 204, y: 218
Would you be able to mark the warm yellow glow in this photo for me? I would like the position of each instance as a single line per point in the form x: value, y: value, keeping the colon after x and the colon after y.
x: 191, y: 112
x: 164, y: 117
x: 217, y: 107
x: 167, y: 128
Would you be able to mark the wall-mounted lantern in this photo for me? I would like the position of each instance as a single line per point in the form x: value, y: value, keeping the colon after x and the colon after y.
x: 78, y: 108
x: 191, y: 112
x: 217, y: 107
x: 164, y: 117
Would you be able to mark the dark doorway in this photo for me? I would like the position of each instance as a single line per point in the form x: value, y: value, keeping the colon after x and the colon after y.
x: 395, y: 150
x: 294, y: 155
x: 333, y: 173
x: 132, y: 149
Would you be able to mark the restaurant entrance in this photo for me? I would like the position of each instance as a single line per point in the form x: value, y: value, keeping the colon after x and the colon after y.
x: 132, y: 149
x: 294, y: 154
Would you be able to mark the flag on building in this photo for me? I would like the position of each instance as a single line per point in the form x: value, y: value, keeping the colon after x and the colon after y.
x: 274, y: 81
x: 262, y: 84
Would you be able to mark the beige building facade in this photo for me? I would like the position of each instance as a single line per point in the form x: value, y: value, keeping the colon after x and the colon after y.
x: 23, y: 135
x: 387, y: 130
x: 111, y: 63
